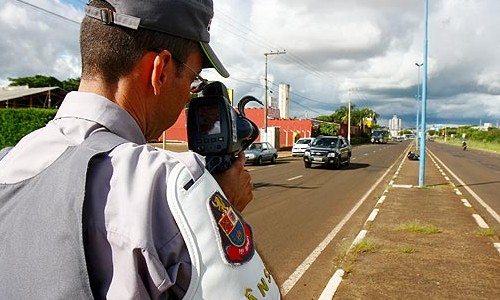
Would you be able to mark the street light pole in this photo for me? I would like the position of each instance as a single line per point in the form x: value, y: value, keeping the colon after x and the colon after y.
x: 418, y: 98
x: 421, y: 173
x: 266, y: 90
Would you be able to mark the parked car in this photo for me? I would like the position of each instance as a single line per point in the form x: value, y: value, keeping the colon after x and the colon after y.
x: 331, y: 151
x: 259, y: 152
x: 300, y: 146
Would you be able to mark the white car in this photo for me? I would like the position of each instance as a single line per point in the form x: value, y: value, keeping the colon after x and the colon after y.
x: 300, y: 146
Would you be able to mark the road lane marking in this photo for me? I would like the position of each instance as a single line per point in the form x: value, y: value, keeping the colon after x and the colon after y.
x: 381, y: 200
x: 311, y: 258
x: 296, y: 177
x: 373, y: 215
x: 497, y: 245
x: 480, y: 222
x: 466, y: 203
x: 402, y: 186
x: 361, y: 235
x: 490, y: 210
x: 334, y: 283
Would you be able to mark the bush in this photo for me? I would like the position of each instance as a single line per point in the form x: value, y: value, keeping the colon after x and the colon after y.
x: 16, y: 123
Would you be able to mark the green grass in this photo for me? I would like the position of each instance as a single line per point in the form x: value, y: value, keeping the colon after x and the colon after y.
x: 471, y: 145
x: 407, y: 249
x: 418, y: 227
x: 487, y: 231
x: 364, y: 246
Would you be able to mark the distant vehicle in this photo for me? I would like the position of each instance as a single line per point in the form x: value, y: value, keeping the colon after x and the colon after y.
x: 332, y: 151
x: 380, y: 136
x: 300, y: 146
x: 259, y: 152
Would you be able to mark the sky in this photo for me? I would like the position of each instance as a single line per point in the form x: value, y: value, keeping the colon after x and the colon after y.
x: 336, y: 51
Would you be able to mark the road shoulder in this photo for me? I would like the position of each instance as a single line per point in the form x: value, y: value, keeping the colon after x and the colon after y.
x: 422, y: 243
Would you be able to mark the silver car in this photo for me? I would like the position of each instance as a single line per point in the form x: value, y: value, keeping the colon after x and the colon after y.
x: 259, y: 152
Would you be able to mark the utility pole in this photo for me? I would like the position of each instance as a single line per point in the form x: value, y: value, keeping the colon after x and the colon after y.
x: 349, y: 119
x: 266, y: 90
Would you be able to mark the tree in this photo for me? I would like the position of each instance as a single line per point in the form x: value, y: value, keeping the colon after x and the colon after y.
x: 71, y: 84
x: 36, y: 81
x: 328, y: 129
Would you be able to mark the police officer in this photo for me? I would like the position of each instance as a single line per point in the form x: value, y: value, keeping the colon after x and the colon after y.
x: 88, y: 210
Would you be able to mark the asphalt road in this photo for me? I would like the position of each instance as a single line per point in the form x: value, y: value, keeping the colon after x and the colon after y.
x: 479, y: 171
x: 304, y: 218
x: 295, y: 209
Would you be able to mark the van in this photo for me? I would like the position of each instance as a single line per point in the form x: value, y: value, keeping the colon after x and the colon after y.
x: 300, y: 146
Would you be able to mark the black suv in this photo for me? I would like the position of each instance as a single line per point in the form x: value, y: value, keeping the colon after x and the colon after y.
x: 331, y: 151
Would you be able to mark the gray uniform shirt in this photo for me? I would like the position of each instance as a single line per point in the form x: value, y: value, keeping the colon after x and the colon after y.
x: 133, y: 247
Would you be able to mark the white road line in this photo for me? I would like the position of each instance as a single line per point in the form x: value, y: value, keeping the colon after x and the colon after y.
x: 361, y: 235
x: 302, y: 268
x: 480, y: 222
x: 402, y: 186
x: 490, y: 210
x: 373, y: 215
x: 296, y: 177
x: 466, y: 203
x: 497, y: 245
x: 381, y: 199
x: 332, y: 285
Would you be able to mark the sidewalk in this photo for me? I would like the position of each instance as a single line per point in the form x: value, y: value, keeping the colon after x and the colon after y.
x: 421, y: 243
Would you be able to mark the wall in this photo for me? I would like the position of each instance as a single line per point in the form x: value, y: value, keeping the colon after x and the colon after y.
x: 289, y: 128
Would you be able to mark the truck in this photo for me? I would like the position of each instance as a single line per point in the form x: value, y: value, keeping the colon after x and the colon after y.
x: 380, y: 136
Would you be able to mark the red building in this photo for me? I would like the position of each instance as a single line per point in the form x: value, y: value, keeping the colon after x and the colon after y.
x: 289, y: 130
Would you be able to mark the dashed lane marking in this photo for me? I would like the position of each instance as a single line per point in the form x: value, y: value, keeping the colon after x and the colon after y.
x: 466, y: 203
x: 296, y: 177
x: 480, y: 222
x: 490, y: 210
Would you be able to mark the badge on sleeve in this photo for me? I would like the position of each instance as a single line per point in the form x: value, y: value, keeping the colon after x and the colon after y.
x: 235, y: 235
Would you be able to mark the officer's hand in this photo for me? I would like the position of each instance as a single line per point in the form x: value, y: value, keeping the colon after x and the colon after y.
x: 236, y: 183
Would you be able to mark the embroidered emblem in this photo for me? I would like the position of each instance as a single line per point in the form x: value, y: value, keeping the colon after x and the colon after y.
x: 235, y: 234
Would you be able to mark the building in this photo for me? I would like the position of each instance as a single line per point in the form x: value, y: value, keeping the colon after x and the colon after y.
x: 284, y: 100
x: 286, y: 131
x: 26, y: 97
x: 394, y: 126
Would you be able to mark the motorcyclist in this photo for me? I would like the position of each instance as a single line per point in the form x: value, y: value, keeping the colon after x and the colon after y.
x: 464, y: 145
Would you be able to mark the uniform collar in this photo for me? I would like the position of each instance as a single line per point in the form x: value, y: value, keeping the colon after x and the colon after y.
x: 93, y: 107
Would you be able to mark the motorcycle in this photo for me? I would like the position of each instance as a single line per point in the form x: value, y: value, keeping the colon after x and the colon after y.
x: 464, y: 146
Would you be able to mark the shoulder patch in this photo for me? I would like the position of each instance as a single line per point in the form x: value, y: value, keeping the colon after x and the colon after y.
x: 236, y: 236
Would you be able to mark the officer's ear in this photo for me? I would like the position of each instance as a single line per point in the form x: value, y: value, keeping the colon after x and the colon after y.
x: 163, y: 65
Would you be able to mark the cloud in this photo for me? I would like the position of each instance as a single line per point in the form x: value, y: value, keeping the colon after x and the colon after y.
x: 362, y: 50
x: 36, y: 42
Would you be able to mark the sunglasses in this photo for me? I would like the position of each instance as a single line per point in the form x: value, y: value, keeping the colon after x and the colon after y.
x: 198, y: 84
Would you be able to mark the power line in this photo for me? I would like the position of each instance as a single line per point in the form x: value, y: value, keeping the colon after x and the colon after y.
x: 47, y: 11
x: 233, y: 29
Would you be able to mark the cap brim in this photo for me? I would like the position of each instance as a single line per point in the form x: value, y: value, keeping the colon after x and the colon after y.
x: 212, y: 61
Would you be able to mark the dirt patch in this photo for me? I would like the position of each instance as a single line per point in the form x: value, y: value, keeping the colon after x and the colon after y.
x: 454, y: 263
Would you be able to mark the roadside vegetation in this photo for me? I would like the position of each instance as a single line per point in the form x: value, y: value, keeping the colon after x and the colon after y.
x: 488, y: 140
x: 418, y: 227
x: 349, y: 257
x: 487, y: 232
x: 365, y: 119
